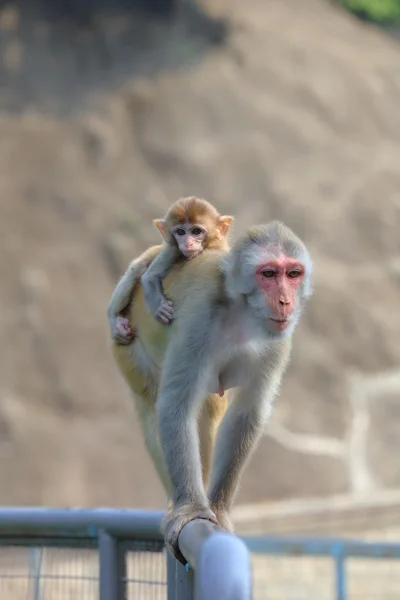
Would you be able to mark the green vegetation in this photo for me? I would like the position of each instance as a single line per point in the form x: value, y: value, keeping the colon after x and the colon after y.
x: 383, y: 12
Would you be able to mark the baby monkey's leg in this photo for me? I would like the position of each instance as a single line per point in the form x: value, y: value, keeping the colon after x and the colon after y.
x: 121, y: 330
x: 123, y: 333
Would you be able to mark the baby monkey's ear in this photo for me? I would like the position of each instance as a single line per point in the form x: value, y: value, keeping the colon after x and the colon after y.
x: 161, y: 225
x: 224, y: 224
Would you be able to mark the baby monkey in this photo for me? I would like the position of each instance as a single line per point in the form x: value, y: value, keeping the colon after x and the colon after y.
x: 190, y: 226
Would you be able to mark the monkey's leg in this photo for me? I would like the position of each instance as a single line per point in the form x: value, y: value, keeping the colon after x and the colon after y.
x: 152, y: 441
x: 178, y: 408
x: 211, y: 416
x: 134, y: 365
x: 237, y: 436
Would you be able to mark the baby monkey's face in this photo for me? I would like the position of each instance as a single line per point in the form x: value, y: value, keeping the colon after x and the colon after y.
x: 190, y: 238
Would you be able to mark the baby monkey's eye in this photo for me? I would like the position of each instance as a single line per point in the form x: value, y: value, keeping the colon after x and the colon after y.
x: 197, y: 231
x: 268, y: 273
x: 180, y: 232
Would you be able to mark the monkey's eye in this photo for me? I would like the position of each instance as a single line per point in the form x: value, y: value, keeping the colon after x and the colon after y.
x: 180, y: 231
x: 294, y: 274
x: 268, y: 273
x: 196, y: 231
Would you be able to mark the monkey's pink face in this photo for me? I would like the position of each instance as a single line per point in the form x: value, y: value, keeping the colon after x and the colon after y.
x: 280, y: 280
x: 190, y: 239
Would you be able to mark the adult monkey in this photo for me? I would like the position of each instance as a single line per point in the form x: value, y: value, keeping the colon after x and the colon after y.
x: 235, y: 314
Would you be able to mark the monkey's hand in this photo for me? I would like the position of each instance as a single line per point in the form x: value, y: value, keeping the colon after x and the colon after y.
x: 164, y: 311
x: 175, y: 520
x: 121, y: 330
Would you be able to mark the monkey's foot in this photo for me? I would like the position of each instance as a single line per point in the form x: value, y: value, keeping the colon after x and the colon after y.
x: 175, y: 520
x: 224, y: 519
x: 164, y: 312
x: 123, y: 333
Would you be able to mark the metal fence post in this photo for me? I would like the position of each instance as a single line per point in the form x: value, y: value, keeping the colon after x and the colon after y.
x: 35, y: 565
x: 180, y: 582
x: 340, y: 572
x: 112, y: 568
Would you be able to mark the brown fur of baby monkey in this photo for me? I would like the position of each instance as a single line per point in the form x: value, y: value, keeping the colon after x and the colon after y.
x: 190, y: 226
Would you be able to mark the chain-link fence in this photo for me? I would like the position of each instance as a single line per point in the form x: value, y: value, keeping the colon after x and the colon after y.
x: 43, y: 573
x: 324, y: 569
x: 146, y: 572
x: 40, y: 572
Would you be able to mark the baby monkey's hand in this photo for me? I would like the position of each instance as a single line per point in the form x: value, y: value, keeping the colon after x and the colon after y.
x: 164, y: 312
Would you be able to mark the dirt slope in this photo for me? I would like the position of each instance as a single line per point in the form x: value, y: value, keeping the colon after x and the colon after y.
x: 295, y: 117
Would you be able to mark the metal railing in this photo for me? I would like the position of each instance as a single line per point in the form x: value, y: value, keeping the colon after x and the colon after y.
x: 340, y: 552
x: 119, y: 555
x: 218, y: 562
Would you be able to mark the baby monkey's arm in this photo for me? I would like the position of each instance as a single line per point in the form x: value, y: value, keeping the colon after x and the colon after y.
x: 160, y: 307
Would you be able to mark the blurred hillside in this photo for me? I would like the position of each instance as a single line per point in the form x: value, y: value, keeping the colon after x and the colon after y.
x: 279, y: 109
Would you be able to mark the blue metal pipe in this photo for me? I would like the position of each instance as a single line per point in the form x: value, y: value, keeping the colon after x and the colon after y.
x: 321, y: 547
x: 80, y: 522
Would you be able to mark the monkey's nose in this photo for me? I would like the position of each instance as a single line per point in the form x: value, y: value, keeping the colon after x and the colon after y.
x: 284, y: 301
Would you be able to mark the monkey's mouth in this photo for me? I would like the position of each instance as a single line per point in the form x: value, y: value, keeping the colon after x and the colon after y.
x: 281, y: 324
x: 190, y: 253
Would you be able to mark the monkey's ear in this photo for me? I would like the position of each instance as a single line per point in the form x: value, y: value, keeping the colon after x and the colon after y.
x: 224, y: 223
x: 161, y: 225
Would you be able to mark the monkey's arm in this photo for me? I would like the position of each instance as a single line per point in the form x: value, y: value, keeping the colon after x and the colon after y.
x: 241, y: 429
x: 121, y: 297
x: 160, y: 307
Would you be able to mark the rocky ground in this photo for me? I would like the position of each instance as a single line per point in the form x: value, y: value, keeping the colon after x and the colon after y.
x: 278, y: 109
